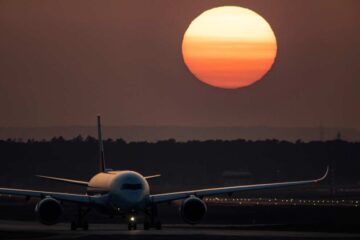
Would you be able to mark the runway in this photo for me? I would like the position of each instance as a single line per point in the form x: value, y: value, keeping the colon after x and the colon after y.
x: 33, y: 230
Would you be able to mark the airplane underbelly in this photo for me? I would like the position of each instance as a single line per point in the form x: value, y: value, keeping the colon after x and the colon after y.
x: 128, y: 200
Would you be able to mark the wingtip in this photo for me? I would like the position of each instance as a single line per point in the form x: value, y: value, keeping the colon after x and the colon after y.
x: 326, y: 173
x: 42, y: 176
x: 153, y: 176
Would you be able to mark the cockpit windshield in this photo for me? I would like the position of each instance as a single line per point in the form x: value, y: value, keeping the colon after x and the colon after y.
x: 131, y: 186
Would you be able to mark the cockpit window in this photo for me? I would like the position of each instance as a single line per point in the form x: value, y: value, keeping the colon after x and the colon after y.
x: 131, y: 186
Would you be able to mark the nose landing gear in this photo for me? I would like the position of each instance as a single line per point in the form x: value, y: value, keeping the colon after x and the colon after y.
x: 132, y: 223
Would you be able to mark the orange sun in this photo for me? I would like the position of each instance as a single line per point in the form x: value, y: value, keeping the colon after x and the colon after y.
x: 229, y: 47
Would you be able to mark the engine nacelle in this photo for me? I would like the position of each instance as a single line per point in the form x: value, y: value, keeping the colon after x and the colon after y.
x: 193, y: 210
x: 48, y: 211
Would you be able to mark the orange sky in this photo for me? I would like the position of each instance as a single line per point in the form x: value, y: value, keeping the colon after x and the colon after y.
x: 63, y: 62
x: 229, y: 47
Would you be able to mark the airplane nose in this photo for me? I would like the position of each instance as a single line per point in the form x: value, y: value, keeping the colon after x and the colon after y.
x: 134, y: 197
x: 129, y: 190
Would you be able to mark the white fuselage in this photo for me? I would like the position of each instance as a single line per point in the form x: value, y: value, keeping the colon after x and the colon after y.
x: 126, y: 190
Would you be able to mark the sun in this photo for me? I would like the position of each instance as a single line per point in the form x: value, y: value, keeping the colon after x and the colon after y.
x: 229, y: 47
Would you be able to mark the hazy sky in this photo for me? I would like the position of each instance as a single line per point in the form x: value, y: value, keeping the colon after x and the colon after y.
x: 63, y: 62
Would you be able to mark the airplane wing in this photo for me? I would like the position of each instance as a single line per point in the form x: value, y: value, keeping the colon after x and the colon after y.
x: 76, y: 198
x: 66, y: 180
x: 167, y: 197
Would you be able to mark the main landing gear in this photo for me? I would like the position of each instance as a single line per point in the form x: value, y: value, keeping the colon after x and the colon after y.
x: 155, y: 224
x: 75, y: 225
x: 80, y: 223
x: 150, y: 221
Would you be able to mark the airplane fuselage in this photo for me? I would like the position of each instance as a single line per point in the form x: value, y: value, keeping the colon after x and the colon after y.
x: 126, y: 190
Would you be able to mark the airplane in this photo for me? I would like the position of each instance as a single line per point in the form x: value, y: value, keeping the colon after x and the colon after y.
x: 127, y: 193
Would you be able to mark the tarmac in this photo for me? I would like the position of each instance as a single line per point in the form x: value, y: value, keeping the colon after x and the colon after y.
x: 34, y: 230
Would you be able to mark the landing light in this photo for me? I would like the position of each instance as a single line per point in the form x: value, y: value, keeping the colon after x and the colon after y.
x: 132, y: 219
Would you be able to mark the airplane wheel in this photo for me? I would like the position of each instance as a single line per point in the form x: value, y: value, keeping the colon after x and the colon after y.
x: 73, y: 226
x: 146, y: 225
x: 132, y: 226
x: 158, y: 225
x: 85, y: 226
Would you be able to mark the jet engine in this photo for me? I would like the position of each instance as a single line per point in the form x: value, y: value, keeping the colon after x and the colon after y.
x: 48, y: 211
x: 192, y: 210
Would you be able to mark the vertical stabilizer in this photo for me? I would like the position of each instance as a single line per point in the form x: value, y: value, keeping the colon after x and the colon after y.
x: 101, y: 147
